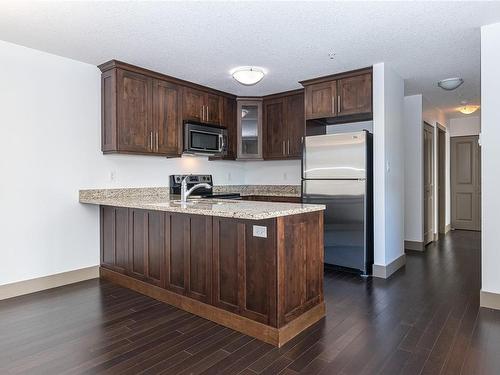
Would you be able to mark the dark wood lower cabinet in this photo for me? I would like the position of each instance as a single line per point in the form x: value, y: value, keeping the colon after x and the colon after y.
x: 139, y: 243
x: 267, y: 285
x: 245, y: 269
x: 114, y: 238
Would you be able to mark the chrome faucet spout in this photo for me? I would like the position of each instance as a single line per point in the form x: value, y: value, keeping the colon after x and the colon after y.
x: 185, y: 193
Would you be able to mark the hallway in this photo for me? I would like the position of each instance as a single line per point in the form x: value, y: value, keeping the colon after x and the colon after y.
x: 424, y: 320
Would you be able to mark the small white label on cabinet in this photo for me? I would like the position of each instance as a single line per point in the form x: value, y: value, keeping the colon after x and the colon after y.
x: 259, y: 231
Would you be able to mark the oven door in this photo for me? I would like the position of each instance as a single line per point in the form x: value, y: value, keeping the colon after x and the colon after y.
x: 205, y: 140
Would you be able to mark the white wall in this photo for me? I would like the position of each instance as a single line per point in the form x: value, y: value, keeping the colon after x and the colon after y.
x: 490, y: 155
x: 470, y: 125
x: 50, y: 126
x: 388, y: 107
x: 414, y: 190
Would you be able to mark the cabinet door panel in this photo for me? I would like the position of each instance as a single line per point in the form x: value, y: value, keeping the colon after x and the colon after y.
x: 167, y: 117
x: 175, y: 255
x: 355, y: 95
x: 138, y: 229
x: 192, y: 103
x: 301, y: 264
x: 257, y: 268
x: 226, y: 252
x: 155, y: 266
x: 199, y: 252
x: 114, y: 238
x: 275, y: 141
x: 231, y: 126
x: 213, y: 109
x: 295, y: 123
x: 320, y: 100
x: 134, y: 103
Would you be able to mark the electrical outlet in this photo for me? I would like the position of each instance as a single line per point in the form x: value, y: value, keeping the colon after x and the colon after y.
x: 259, y: 231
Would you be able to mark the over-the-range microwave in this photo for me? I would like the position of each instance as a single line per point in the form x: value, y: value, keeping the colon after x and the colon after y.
x: 203, y: 139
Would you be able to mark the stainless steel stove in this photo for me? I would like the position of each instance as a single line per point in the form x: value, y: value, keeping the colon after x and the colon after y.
x: 193, y: 179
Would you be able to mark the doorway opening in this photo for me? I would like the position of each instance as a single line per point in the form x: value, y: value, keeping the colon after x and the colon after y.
x: 428, y: 183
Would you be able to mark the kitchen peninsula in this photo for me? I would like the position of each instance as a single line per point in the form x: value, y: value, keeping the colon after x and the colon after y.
x: 255, y: 267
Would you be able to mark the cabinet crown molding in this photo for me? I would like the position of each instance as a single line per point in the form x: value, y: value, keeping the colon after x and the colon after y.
x: 332, y: 77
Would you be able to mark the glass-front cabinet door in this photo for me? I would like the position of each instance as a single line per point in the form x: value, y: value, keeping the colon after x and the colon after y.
x: 249, y: 129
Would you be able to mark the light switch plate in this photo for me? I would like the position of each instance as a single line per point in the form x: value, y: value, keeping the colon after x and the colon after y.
x: 259, y: 231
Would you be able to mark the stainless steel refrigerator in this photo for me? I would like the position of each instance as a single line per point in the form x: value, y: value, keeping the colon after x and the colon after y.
x: 337, y: 172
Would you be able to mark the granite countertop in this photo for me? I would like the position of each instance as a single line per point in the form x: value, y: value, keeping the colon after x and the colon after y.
x: 160, y: 200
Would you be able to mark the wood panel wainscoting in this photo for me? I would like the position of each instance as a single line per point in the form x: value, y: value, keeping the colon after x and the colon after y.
x: 269, y: 287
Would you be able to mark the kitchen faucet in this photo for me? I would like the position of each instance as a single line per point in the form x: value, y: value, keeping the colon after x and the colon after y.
x: 185, y: 193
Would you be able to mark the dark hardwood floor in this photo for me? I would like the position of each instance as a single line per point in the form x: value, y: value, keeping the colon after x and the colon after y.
x: 424, y: 320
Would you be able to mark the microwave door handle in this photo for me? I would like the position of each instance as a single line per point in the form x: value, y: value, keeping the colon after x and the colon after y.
x: 221, y: 143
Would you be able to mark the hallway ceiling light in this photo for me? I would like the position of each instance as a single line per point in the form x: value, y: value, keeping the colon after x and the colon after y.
x: 449, y: 84
x: 467, y: 109
x: 248, y: 75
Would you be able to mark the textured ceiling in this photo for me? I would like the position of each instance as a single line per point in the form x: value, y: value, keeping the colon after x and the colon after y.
x: 202, y: 41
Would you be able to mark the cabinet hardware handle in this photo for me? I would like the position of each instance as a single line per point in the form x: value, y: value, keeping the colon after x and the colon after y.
x: 288, y: 146
x: 333, y: 105
x: 338, y: 104
x: 151, y: 140
x: 207, y: 113
x: 284, y: 148
x: 202, y: 112
x: 157, y: 136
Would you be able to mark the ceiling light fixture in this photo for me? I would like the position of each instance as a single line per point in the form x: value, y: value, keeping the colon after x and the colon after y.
x: 467, y: 109
x: 248, y: 75
x: 450, y: 83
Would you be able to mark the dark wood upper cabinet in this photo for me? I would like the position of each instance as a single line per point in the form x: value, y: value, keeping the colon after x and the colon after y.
x: 341, y: 97
x: 320, y: 100
x: 284, y: 125
x: 193, y: 104
x: 203, y: 107
x: 275, y: 132
x: 214, y: 109
x: 134, y: 117
x: 295, y: 120
x: 167, y: 119
x: 142, y: 111
x: 355, y: 95
x: 230, y: 123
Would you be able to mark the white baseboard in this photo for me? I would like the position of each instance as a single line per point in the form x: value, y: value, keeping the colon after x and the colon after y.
x: 490, y: 300
x: 385, y: 272
x: 414, y: 245
x: 47, y: 282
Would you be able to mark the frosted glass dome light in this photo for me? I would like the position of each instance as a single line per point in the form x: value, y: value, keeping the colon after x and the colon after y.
x: 248, y: 75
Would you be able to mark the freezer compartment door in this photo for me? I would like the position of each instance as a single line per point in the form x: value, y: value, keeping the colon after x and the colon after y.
x: 335, y: 156
x: 345, y: 233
